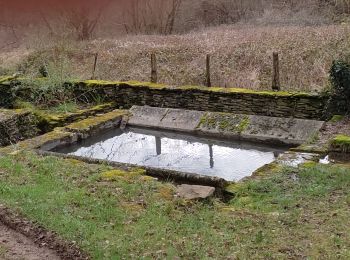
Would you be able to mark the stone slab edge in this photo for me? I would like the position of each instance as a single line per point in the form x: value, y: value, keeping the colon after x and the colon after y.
x: 263, y: 129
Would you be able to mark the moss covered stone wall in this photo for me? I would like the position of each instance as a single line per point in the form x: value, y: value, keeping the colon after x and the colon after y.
x: 232, y: 100
x: 7, y: 95
x: 16, y: 125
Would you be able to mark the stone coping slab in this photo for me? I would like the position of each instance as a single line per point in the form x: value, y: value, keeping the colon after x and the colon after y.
x: 89, y: 126
x: 286, y: 131
x: 50, y: 120
x: 103, y: 83
x: 47, y: 141
x: 69, y: 134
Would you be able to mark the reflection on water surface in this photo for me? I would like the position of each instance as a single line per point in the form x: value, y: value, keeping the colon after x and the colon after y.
x: 228, y: 160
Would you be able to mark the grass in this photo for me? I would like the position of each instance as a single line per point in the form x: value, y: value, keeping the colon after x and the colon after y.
x: 3, y: 251
x: 297, y: 213
x: 66, y: 107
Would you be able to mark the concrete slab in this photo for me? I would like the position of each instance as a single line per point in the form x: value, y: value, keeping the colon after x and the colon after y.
x: 290, y: 131
x: 146, y: 116
x: 165, y: 118
x: 178, y: 119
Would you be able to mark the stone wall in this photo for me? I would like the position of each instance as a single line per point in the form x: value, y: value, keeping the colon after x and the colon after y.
x: 7, y: 95
x: 16, y: 125
x: 231, y: 100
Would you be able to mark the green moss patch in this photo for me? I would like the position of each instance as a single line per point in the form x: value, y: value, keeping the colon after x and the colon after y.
x: 58, y: 136
x: 311, y: 148
x: 340, y: 143
x: 247, y: 91
x: 95, y: 122
x: 336, y: 118
x: 225, y: 122
x: 116, y: 174
x: 267, y: 169
x: 100, y: 83
x: 48, y: 119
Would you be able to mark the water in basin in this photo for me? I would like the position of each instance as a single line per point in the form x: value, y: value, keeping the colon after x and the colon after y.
x: 230, y: 160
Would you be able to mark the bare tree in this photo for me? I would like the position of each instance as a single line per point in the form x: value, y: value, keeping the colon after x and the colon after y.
x: 8, y: 28
x: 151, y: 16
x: 81, y: 19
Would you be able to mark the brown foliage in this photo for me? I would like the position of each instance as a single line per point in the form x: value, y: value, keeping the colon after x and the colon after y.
x: 151, y: 16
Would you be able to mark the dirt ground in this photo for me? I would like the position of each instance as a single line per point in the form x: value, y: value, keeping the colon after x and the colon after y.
x: 14, y: 246
x: 23, y: 239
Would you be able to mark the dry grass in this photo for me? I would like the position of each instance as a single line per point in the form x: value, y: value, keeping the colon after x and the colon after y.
x: 241, y: 56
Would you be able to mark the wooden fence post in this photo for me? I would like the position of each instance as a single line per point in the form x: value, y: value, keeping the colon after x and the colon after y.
x: 154, y: 76
x: 95, y: 64
x: 208, y: 81
x: 276, y: 73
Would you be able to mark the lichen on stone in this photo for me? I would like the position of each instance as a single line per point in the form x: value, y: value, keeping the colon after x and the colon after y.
x: 225, y: 122
x: 93, y: 122
x: 48, y: 120
x: 102, y: 83
x: 267, y: 170
x: 311, y: 148
x: 56, y: 136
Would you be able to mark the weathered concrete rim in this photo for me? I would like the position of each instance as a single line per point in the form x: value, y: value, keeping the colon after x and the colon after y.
x: 40, y: 235
x: 223, y: 137
x: 226, y: 126
x: 200, y: 135
x: 160, y: 173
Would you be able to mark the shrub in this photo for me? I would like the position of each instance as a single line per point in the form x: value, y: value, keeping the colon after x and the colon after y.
x: 340, y: 77
x: 50, y: 90
x: 340, y: 80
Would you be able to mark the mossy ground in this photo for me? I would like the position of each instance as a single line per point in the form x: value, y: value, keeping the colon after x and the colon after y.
x: 296, y: 213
